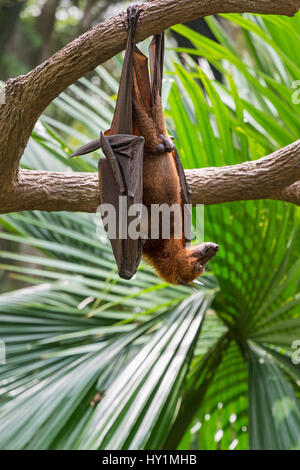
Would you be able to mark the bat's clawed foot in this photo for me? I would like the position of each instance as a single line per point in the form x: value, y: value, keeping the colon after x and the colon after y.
x: 130, y: 18
x: 165, y: 146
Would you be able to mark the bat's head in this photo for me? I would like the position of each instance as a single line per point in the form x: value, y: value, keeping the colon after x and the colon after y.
x: 196, y: 258
x: 181, y: 265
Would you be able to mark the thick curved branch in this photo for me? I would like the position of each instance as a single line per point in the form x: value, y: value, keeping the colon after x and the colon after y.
x: 27, y: 96
x: 272, y: 177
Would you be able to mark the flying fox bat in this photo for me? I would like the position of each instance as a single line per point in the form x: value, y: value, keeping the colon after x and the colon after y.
x: 143, y: 164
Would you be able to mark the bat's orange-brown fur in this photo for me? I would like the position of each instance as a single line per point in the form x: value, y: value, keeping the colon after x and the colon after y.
x: 172, y: 260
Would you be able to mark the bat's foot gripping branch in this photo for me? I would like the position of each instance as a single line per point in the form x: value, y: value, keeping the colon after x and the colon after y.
x: 131, y: 17
x: 165, y: 146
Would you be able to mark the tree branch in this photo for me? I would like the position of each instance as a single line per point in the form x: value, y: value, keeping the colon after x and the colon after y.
x: 27, y: 96
x: 270, y: 177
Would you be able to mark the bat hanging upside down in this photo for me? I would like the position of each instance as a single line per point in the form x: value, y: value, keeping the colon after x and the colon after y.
x: 142, y: 164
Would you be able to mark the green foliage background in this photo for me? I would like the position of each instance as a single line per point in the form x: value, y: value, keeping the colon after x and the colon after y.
x: 175, y: 370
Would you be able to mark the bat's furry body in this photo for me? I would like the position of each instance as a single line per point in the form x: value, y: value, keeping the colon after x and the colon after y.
x: 172, y: 259
x: 161, y: 185
x: 139, y: 112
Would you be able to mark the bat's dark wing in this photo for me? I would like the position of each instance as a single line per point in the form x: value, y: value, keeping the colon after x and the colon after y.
x: 185, y: 193
x: 156, y: 55
x: 121, y: 186
x: 87, y: 148
x: 184, y: 187
x: 121, y: 172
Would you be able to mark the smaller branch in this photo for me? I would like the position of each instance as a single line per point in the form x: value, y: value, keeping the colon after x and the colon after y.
x: 269, y: 177
x: 289, y: 194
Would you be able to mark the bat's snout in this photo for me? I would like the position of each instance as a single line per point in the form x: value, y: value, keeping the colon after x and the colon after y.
x: 206, y: 251
x: 211, y: 248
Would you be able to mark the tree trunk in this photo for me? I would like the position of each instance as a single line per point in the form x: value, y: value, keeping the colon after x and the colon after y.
x: 9, y: 15
x: 45, y: 26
